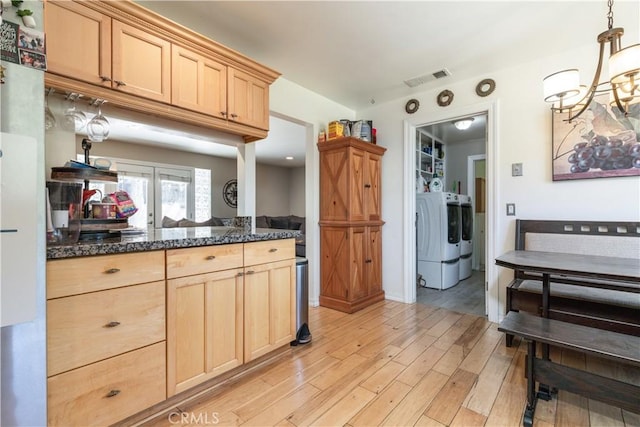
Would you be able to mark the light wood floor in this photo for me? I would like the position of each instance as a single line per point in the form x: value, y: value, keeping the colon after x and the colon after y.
x: 400, y: 365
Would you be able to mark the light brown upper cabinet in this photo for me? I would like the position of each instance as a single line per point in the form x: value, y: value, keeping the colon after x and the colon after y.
x: 248, y: 100
x: 202, y: 84
x: 198, y: 83
x: 78, y: 42
x: 141, y: 62
x: 136, y: 59
x: 90, y: 46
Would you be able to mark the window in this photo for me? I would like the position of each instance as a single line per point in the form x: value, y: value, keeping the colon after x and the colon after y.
x: 174, y: 191
x: 203, y: 194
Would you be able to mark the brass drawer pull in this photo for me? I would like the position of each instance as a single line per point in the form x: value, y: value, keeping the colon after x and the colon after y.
x: 250, y: 272
x: 105, y: 79
x: 210, y: 257
x: 233, y: 115
x: 112, y: 324
x: 112, y: 270
x: 113, y: 393
x: 119, y: 83
x: 367, y: 186
x: 240, y: 274
x: 368, y: 261
x: 273, y: 250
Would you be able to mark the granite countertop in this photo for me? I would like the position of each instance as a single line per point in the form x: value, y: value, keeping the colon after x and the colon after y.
x: 167, y: 238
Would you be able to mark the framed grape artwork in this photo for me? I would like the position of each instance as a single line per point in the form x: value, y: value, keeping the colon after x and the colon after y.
x: 601, y: 143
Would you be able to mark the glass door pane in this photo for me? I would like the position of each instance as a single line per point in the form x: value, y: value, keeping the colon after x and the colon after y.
x: 136, y: 181
x: 175, y: 190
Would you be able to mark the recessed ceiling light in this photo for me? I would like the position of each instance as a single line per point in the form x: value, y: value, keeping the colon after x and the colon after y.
x: 289, y: 157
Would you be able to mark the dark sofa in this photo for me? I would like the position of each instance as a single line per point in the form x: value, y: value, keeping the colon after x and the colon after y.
x: 289, y: 222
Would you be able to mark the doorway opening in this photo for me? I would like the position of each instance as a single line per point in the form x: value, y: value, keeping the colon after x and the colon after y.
x: 449, y: 278
x: 456, y: 176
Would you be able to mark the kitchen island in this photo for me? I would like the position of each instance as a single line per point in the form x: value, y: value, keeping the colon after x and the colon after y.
x: 139, y: 322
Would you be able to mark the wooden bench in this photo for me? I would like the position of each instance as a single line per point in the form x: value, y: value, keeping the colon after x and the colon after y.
x: 601, y: 343
x: 578, y: 300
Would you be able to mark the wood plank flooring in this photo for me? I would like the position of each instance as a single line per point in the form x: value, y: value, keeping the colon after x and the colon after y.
x: 395, y: 364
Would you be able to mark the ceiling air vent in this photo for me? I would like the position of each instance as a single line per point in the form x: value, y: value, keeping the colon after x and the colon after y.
x: 417, y: 81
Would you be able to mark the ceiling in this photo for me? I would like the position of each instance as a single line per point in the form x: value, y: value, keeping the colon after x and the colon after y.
x: 360, y: 52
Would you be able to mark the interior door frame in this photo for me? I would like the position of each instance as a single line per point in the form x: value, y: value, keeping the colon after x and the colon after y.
x: 491, y: 109
x: 471, y: 181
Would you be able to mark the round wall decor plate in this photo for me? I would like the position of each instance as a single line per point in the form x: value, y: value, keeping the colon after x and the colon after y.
x: 412, y: 106
x: 435, y: 185
x: 485, y: 87
x: 444, y: 98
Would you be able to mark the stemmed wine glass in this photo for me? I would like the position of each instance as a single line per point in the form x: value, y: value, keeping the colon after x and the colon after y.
x: 74, y: 118
x: 98, y: 126
x: 49, y: 119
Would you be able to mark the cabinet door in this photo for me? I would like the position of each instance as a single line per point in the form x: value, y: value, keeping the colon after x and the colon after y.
x: 373, y: 260
x: 141, y: 63
x: 334, y: 185
x: 248, y: 100
x: 78, y: 42
x: 198, y: 83
x: 270, y: 304
x: 372, y: 187
x: 357, y: 166
x: 359, y: 288
x: 204, y: 327
x: 335, y: 262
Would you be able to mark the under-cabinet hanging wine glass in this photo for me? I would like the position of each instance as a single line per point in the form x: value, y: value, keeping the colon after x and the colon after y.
x: 74, y: 119
x: 98, y: 126
x: 49, y: 119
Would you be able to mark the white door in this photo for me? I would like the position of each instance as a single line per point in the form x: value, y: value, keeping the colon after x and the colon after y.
x: 175, y: 194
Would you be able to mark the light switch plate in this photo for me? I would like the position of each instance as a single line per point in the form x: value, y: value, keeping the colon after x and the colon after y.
x: 511, y: 209
x: 516, y: 169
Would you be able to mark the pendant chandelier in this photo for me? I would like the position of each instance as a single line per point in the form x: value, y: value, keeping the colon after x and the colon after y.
x: 563, y: 88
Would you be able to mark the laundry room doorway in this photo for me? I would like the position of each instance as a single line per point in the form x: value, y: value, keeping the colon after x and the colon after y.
x: 466, y: 173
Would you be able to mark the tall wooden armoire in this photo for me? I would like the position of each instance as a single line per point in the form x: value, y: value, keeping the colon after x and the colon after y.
x: 350, y: 224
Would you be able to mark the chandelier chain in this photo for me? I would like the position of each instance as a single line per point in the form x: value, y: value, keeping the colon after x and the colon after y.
x: 610, y: 14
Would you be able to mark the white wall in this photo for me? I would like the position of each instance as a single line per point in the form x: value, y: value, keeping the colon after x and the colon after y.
x: 456, y: 156
x: 523, y: 135
x: 297, y: 191
x: 292, y: 101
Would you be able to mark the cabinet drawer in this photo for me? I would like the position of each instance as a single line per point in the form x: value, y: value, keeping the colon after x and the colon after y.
x: 108, y: 391
x: 89, y: 274
x: 204, y: 259
x: 83, y: 329
x: 269, y: 251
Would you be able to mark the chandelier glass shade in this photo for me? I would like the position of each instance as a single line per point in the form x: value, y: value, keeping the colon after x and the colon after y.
x: 563, y: 88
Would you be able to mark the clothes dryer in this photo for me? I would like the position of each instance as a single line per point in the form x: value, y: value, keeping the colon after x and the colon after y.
x: 466, y: 234
x: 438, y: 239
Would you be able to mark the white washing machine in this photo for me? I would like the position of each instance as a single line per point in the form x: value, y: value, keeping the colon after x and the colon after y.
x: 438, y: 239
x: 466, y: 233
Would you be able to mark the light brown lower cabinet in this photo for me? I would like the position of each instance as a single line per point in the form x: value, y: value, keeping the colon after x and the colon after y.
x: 351, y: 272
x: 204, y: 327
x: 269, y: 307
x: 105, y: 392
x: 106, y: 351
x: 219, y: 320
